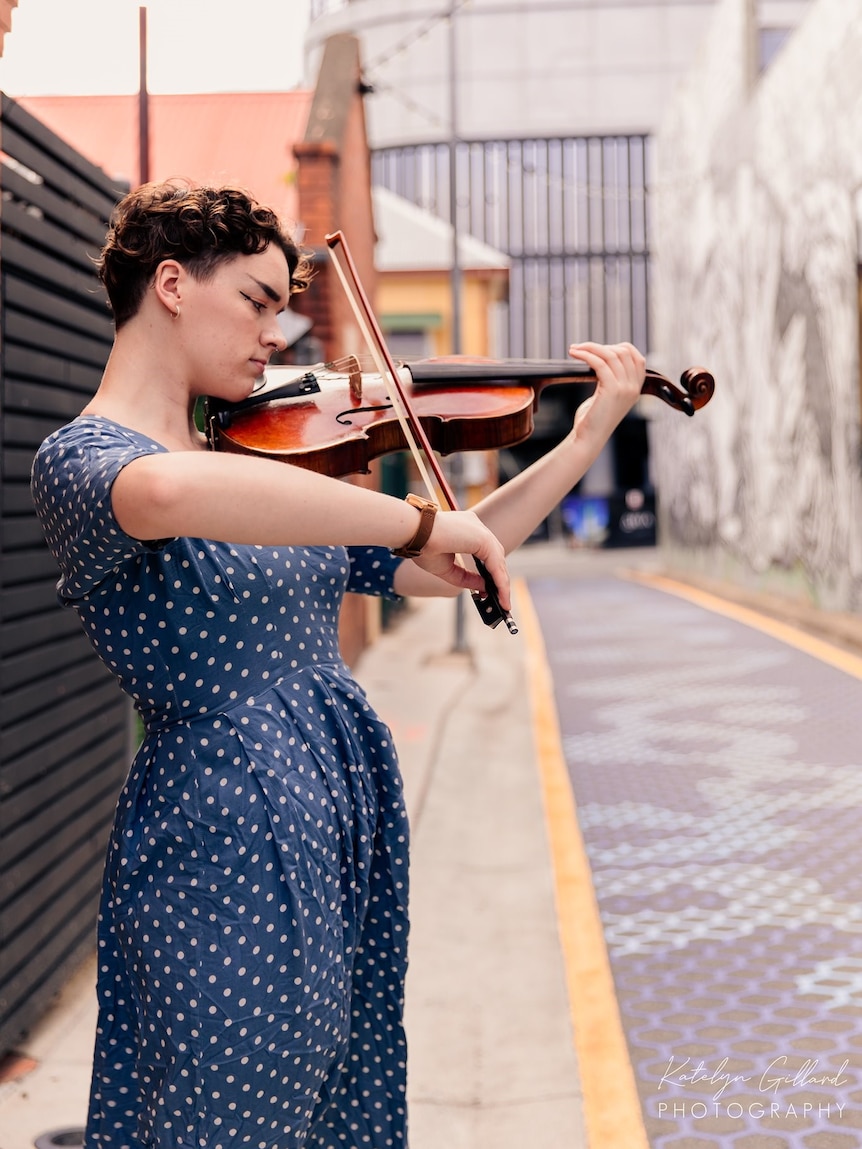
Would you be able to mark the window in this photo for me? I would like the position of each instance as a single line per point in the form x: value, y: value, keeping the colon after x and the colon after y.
x: 407, y: 344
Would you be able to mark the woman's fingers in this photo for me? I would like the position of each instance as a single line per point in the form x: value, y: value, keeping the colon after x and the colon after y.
x: 619, y: 369
x: 463, y: 533
x: 447, y: 568
x: 618, y: 364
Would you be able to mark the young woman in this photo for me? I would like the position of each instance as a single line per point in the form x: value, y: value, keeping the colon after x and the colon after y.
x: 253, y: 928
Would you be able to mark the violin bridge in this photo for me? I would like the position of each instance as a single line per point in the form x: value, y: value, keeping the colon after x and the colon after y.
x: 349, y: 365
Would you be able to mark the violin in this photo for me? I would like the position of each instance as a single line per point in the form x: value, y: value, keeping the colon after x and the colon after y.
x: 334, y: 418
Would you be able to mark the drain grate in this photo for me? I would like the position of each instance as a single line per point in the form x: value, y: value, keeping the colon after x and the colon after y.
x: 68, y: 1138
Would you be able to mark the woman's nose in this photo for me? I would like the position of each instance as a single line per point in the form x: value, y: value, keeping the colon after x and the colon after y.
x: 275, y: 337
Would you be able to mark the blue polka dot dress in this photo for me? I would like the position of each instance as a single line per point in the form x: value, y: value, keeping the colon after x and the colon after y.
x: 253, y: 926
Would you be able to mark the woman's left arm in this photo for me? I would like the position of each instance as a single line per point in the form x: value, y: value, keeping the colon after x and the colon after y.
x: 514, y: 510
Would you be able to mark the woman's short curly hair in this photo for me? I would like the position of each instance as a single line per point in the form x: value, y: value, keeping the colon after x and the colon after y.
x: 199, y: 227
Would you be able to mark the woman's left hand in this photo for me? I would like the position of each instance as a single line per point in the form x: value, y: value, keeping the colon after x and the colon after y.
x: 620, y: 370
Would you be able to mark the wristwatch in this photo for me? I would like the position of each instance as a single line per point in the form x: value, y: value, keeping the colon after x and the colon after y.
x: 413, y: 549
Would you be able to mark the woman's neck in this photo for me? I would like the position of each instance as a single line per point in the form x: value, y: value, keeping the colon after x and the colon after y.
x: 147, y: 396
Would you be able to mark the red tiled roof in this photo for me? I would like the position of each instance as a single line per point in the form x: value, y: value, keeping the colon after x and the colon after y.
x: 224, y: 137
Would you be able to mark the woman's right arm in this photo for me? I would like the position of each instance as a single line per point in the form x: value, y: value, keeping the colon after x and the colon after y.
x: 242, y: 499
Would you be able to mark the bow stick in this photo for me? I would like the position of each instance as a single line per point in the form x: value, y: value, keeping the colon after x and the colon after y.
x: 488, y: 604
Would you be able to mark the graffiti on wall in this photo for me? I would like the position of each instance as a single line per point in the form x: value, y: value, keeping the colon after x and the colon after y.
x: 756, y: 278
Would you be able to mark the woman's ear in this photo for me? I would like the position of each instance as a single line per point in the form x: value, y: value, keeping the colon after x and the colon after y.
x: 167, y: 283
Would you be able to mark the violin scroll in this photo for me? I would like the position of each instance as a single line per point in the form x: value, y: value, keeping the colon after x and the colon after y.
x: 699, y: 384
x: 697, y: 389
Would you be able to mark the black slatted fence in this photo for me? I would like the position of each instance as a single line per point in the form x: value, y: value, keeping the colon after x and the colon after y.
x: 64, y: 726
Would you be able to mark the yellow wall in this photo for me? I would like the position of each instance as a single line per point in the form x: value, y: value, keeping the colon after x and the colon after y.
x: 424, y: 293
x: 430, y: 293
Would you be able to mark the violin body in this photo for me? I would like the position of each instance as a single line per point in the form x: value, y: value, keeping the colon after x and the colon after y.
x: 335, y: 419
x: 336, y: 431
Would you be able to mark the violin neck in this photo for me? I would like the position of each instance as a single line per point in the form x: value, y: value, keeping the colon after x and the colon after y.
x: 496, y: 373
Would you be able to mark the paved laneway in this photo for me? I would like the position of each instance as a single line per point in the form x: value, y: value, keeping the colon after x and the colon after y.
x: 717, y: 773
x: 715, y: 1001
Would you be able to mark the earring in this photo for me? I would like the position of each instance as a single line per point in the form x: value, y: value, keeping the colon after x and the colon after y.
x: 176, y: 314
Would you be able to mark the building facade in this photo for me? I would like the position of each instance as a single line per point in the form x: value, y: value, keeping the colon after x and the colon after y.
x: 529, y: 124
x: 757, y: 239
x: 521, y: 68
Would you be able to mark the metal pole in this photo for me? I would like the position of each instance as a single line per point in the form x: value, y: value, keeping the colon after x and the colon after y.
x: 456, y: 465
x: 143, y: 102
x: 453, y: 183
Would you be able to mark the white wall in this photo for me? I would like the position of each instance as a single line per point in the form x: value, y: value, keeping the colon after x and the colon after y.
x: 526, y: 68
x: 755, y: 267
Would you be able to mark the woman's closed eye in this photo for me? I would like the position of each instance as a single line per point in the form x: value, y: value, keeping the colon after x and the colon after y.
x: 256, y: 303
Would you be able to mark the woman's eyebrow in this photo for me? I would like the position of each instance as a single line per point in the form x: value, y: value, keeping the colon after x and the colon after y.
x: 267, y: 290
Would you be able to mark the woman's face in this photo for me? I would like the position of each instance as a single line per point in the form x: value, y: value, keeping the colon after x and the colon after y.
x: 230, y: 323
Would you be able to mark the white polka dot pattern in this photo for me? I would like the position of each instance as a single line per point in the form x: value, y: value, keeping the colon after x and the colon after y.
x: 253, y: 927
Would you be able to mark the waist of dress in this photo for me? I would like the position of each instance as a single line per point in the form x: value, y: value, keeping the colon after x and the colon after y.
x: 329, y: 674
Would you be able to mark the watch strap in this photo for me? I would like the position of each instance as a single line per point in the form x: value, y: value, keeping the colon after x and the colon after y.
x: 427, y: 511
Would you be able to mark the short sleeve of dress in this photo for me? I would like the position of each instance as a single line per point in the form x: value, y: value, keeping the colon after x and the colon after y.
x: 372, y: 570
x: 71, y: 481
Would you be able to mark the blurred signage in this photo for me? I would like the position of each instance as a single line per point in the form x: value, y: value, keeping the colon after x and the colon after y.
x: 625, y: 519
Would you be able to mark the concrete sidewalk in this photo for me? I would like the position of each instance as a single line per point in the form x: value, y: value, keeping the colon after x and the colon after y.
x: 492, y: 1059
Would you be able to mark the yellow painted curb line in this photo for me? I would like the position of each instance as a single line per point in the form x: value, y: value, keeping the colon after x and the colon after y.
x: 612, y: 1111
x: 792, y: 635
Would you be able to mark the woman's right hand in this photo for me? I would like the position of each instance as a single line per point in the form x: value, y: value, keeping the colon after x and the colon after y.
x: 463, y: 533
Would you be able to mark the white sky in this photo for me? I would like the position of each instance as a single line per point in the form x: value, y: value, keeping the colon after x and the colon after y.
x: 90, y: 47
